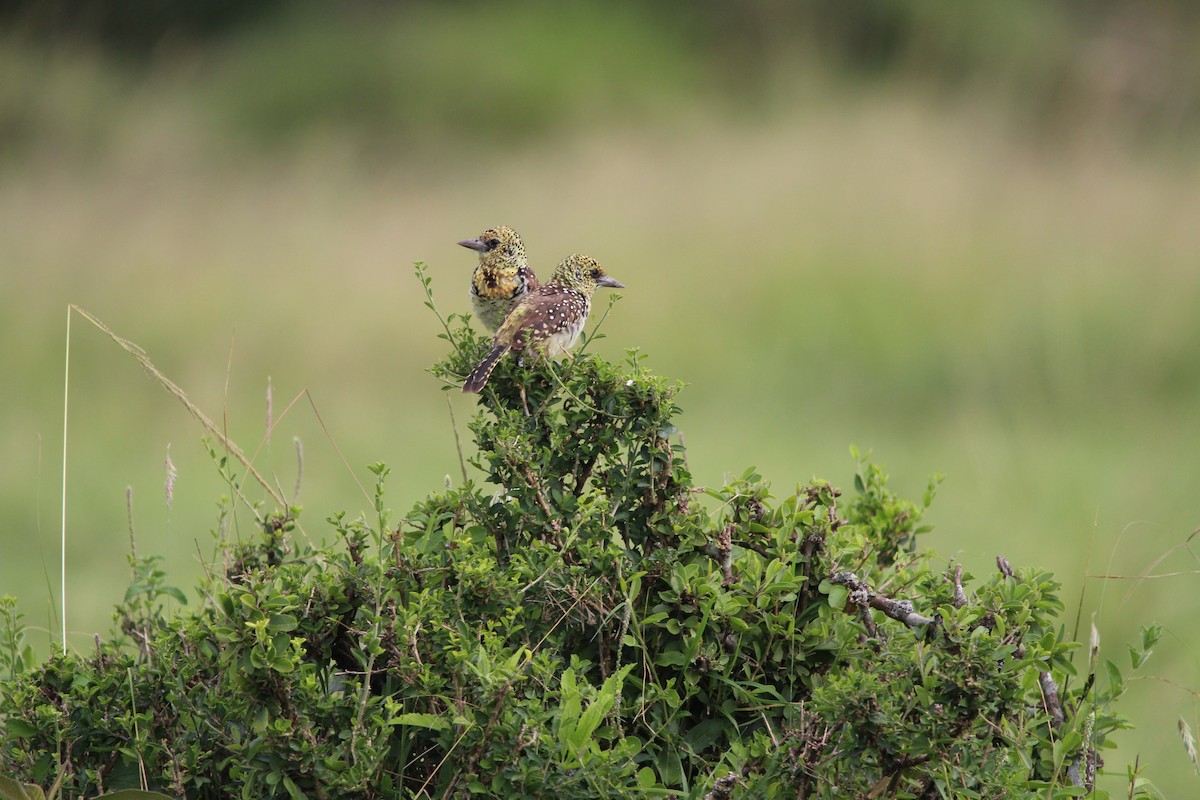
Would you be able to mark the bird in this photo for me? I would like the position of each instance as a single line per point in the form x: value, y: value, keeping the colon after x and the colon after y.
x: 503, y: 276
x: 549, y: 319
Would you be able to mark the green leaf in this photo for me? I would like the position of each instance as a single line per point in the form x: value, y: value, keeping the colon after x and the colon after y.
x: 591, y: 718
x: 175, y: 594
x: 1003, y: 651
x: 670, y: 767
x: 672, y: 658
x: 1115, y: 679
x: 19, y: 727
x: 571, y: 704
x: 11, y: 790
x: 293, y: 790
x: 838, y: 596
x: 415, y: 720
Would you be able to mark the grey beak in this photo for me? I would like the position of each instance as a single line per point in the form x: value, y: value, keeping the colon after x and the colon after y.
x: 474, y: 244
x: 611, y: 282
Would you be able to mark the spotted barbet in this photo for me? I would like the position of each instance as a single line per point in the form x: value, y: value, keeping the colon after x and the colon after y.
x: 503, y: 276
x: 549, y: 320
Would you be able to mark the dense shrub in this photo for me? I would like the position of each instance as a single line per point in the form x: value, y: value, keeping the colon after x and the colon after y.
x: 586, y: 623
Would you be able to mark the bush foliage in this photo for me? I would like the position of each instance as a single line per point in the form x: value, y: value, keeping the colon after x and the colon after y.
x: 585, y: 622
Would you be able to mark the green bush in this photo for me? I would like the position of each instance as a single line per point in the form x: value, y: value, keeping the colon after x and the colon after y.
x: 589, y: 624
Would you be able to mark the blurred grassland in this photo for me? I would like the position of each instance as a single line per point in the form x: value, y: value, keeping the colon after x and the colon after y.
x: 965, y: 240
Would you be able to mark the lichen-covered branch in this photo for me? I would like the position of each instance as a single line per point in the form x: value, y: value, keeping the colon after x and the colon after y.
x: 723, y: 787
x: 864, y: 596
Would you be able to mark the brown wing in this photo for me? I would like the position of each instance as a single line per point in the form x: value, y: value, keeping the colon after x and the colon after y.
x: 549, y: 310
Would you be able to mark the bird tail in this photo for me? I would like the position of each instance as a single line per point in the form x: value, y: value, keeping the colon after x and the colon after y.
x: 479, y: 376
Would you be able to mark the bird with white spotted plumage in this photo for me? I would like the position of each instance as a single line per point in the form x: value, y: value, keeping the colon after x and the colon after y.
x: 549, y: 320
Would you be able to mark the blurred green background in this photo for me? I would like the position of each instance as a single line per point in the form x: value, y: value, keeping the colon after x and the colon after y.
x: 963, y: 236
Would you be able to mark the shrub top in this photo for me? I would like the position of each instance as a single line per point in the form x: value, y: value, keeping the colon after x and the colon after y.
x: 585, y: 622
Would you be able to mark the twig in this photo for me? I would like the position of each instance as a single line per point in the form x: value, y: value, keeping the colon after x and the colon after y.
x: 66, y: 406
x: 299, y: 467
x: 427, y: 282
x: 581, y: 478
x: 725, y: 554
x: 588, y: 337
x: 313, y: 404
x: 137, y: 734
x: 140, y: 356
x: 462, y: 464
x: 1146, y: 577
x: 533, y: 483
x: 132, y: 541
x: 960, y: 597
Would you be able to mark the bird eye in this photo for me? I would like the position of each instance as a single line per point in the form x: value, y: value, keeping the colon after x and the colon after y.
x: 492, y: 243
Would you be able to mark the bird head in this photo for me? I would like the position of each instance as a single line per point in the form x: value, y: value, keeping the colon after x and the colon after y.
x: 499, y: 247
x: 583, y: 274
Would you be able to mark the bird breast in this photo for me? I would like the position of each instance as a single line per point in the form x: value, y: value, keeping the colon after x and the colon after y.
x: 563, y: 323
